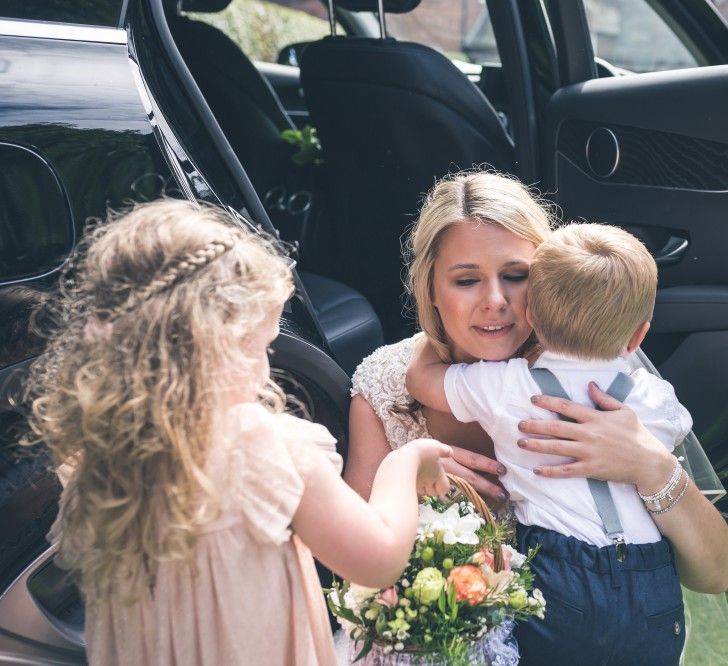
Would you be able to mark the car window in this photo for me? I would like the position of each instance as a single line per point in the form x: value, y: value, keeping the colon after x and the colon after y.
x: 263, y: 29
x: 461, y: 30
x: 632, y: 35
x: 36, y: 230
x: 87, y: 12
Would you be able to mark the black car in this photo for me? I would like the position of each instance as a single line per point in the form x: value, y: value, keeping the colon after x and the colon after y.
x: 103, y: 102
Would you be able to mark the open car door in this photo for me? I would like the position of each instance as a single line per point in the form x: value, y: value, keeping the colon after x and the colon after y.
x: 649, y: 152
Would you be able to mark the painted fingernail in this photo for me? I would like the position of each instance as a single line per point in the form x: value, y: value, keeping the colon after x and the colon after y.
x: 521, y: 425
x: 522, y: 443
x: 501, y: 469
x: 537, y: 470
x: 535, y: 398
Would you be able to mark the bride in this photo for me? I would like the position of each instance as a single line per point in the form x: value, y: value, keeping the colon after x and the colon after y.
x: 455, y: 283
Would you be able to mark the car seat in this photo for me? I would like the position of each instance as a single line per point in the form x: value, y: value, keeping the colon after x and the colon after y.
x: 392, y: 117
x: 251, y: 116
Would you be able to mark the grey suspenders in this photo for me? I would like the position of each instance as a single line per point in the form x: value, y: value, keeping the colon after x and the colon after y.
x: 619, y: 390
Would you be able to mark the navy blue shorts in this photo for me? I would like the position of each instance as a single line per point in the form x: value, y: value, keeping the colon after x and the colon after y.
x: 600, y: 610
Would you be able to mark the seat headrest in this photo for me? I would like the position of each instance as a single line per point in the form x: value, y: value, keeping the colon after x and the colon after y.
x: 390, y: 6
x: 210, y: 6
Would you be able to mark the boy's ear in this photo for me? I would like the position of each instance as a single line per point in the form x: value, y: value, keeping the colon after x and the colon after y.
x: 638, y: 336
x: 528, y: 316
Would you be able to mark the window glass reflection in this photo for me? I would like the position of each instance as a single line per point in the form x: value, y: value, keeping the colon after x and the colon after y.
x: 87, y: 12
x: 36, y: 231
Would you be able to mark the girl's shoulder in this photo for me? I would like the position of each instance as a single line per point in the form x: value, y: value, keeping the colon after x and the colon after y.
x: 264, y: 466
x: 380, y: 380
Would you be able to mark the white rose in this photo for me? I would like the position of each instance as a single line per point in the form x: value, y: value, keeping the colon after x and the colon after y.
x: 517, y: 559
x: 454, y: 527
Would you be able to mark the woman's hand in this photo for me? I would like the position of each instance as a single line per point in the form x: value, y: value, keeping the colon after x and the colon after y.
x: 473, y: 467
x: 611, y: 445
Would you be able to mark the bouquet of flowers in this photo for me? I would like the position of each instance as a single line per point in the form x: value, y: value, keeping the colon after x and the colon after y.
x: 457, y: 600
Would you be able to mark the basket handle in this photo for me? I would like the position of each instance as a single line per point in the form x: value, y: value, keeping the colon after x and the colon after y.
x: 466, y: 490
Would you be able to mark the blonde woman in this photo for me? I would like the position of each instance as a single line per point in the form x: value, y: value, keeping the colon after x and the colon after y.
x: 192, y: 494
x: 470, y: 253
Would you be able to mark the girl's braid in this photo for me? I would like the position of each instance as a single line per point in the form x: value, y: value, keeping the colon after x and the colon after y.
x: 188, y: 265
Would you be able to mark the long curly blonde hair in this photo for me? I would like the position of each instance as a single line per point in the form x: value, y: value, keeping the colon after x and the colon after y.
x: 151, y: 310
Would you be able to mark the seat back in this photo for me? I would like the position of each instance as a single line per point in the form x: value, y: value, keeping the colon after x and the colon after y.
x: 392, y: 117
x: 243, y: 102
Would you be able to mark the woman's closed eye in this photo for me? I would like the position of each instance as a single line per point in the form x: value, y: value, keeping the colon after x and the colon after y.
x: 515, y: 277
x: 466, y: 282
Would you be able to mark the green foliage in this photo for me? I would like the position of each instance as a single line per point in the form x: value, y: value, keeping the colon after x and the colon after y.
x: 307, y: 144
x: 416, y: 614
x: 262, y: 29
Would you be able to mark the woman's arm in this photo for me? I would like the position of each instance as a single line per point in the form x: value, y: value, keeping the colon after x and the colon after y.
x: 368, y: 446
x: 613, y: 445
x: 370, y: 543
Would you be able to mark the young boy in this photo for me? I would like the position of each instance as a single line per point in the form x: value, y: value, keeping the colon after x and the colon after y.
x: 609, y: 579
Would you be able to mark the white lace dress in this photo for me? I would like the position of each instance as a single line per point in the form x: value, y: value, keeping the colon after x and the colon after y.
x: 380, y: 380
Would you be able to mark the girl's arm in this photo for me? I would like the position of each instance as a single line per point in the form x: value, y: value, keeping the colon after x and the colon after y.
x: 613, y: 445
x: 370, y: 543
x: 368, y: 446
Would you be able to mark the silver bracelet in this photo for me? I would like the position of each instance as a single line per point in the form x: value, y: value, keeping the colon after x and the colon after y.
x: 673, y: 500
x: 667, y: 489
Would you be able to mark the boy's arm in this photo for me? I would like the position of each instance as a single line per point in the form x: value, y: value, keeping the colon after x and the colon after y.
x: 426, y: 377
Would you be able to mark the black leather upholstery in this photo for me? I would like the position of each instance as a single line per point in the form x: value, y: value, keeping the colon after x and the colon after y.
x: 392, y: 117
x: 390, y: 6
x: 352, y: 328
x: 242, y: 100
x: 203, y: 5
x: 250, y: 114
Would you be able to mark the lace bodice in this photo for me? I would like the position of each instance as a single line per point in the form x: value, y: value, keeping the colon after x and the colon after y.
x: 380, y: 379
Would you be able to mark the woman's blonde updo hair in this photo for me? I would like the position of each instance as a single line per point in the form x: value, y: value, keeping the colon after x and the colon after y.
x: 152, y: 309
x: 474, y: 196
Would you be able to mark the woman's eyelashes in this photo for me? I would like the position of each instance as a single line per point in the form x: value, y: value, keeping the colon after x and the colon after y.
x: 466, y: 282
x: 507, y: 277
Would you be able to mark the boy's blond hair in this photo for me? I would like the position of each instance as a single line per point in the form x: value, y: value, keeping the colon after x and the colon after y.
x: 590, y: 287
x: 153, y: 308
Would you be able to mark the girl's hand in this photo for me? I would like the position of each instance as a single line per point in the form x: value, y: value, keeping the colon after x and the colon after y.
x: 611, y: 445
x: 431, y: 477
x: 471, y: 466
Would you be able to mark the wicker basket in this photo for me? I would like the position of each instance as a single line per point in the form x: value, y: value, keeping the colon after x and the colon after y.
x: 461, y: 487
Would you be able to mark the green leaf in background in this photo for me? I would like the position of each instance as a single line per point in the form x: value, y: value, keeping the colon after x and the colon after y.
x: 307, y: 142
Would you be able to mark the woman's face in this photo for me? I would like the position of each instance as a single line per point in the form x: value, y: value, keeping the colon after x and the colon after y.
x: 480, y: 278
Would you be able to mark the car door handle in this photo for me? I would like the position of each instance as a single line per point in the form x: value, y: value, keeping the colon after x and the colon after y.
x: 673, y: 250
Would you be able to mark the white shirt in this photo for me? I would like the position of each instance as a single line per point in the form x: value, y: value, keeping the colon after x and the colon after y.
x: 497, y: 395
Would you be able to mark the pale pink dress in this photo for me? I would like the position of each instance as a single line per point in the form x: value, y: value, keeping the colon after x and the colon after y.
x: 256, y: 598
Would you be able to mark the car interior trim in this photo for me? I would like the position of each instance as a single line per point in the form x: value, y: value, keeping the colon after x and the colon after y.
x: 73, y: 33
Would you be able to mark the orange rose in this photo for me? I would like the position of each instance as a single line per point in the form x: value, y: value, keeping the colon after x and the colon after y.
x: 469, y: 584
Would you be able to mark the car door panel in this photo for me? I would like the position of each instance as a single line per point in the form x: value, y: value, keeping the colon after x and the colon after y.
x: 659, y: 168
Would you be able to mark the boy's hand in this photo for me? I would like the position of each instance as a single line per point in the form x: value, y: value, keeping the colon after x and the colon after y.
x: 431, y: 477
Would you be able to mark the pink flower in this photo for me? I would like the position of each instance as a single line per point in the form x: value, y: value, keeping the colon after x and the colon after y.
x: 388, y: 597
x: 485, y: 558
